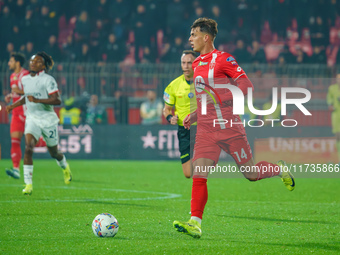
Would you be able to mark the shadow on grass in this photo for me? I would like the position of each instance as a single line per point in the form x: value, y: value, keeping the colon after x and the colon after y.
x: 85, y: 181
x: 121, y: 238
x: 92, y: 201
x: 322, y: 246
x: 111, y: 203
x: 276, y: 220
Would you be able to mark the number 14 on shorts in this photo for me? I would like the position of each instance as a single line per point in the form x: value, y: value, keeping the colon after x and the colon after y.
x: 241, y: 155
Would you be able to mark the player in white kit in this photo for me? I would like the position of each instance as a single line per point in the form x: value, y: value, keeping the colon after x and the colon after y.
x: 41, y: 93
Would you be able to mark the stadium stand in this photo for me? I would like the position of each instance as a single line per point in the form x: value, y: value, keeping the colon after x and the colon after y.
x: 90, y: 32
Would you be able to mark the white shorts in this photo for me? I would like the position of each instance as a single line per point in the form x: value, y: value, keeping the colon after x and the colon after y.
x: 50, y: 134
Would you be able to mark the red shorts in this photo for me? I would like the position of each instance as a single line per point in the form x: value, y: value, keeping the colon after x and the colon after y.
x: 209, y: 145
x: 17, y: 123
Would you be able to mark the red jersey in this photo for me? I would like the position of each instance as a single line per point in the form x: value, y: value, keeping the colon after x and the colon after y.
x: 15, y: 80
x: 217, y: 67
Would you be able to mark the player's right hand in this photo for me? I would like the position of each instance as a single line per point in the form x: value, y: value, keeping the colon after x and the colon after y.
x: 186, y: 122
x: 190, y: 118
x: 8, y: 98
x: 32, y: 99
x: 173, y: 120
x: 9, y: 108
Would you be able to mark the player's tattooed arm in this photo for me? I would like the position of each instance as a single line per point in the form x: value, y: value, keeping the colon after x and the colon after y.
x: 20, y: 102
x: 53, y: 99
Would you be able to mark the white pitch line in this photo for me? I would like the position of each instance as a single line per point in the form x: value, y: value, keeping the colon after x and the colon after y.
x: 165, y: 195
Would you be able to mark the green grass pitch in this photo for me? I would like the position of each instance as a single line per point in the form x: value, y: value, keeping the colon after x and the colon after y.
x: 146, y: 196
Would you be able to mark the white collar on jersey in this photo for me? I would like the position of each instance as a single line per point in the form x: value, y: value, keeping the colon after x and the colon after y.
x: 207, y: 54
x: 39, y: 73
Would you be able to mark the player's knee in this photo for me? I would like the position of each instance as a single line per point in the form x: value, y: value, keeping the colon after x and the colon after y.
x: 29, y: 149
x: 186, y: 169
x: 252, y: 179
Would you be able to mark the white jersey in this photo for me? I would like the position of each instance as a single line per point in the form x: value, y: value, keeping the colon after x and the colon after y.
x: 40, y: 86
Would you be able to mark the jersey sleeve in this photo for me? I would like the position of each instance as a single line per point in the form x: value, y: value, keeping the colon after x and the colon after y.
x: 230, y: 67
x: 24, y: 73
x: 330, y: 96
x: 13, y: 81
x: 20, y: 86
x: 51, y: 86
x: 169, y: 96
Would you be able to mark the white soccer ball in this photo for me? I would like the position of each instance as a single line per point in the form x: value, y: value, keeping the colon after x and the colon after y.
x: 105, y: 225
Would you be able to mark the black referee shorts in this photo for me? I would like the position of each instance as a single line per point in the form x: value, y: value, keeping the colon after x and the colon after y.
x: 186, y: 140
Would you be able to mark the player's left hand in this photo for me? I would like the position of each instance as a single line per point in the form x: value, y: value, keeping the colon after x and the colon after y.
x: 186, y: 122
x: 173, y: 120
x: 32, y: 99
x: 8, y: 98
x: 9, y: 108
x: 210, y: 100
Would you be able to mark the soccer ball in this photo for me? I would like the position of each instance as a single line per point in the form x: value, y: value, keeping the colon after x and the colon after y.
x: 105, y: 225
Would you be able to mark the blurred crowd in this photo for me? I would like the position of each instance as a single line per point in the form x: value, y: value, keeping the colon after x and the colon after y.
x: 153, y: 31
x: 82, y: 110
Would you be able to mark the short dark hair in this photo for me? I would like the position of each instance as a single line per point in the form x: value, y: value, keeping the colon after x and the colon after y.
x: 49, y: 63
x: 186, y: 52
x: 18, y: 57
x: 206, y: 25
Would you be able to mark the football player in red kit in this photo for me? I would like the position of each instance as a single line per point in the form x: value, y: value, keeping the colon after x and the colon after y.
x: 17, y: 128
x: 211, y: 69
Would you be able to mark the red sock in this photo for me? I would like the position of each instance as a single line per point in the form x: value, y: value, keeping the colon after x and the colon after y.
x: 16, y: 152
x: 199, y: 196
x: 267, y: 170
